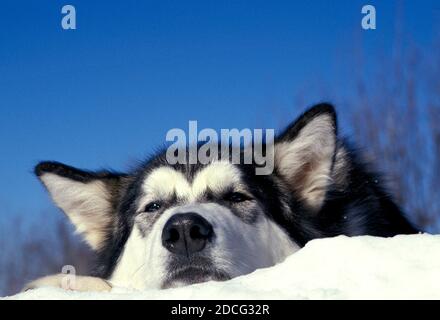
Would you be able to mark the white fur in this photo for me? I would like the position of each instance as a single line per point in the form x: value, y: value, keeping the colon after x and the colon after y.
x: 70, y: 282
x: 310, y: 157
x: 164, y: 182
x: 86, y: 204
x: 239, y: 248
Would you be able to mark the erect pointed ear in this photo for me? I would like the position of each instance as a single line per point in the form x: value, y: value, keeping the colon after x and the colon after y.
x: 304, y: 154
x: 89, y: 199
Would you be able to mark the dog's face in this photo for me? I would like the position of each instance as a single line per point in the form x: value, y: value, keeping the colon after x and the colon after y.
x: 205, y: 224
x: 166, y: 225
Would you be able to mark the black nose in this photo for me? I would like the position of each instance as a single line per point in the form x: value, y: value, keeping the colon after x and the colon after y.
x: 186, y: 233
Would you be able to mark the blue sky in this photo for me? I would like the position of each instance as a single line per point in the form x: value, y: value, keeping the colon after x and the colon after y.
x: 105, y: 94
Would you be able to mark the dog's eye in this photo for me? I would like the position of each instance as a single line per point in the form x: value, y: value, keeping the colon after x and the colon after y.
x: 236, y: 197
x: 153, y: 206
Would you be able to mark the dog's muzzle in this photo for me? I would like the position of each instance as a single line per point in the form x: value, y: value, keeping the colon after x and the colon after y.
x: 185, y: 234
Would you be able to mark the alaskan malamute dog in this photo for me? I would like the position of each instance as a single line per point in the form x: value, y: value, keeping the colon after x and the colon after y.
x: 165, y: 225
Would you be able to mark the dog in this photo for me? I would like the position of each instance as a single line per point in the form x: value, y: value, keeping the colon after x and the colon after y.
x: 166, y: 225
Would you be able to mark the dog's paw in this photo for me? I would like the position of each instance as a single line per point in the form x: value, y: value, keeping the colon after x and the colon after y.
x: 69, y: 282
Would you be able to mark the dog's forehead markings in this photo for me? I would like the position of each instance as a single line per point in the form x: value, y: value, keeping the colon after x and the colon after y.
x: 165, y: 182
x: 216, y: 177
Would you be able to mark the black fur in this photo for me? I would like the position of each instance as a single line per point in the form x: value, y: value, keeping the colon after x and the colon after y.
x: 359, y: 206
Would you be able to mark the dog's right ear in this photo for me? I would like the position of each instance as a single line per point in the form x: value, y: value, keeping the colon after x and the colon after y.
x: 304, y: 154
x: 89, y: 199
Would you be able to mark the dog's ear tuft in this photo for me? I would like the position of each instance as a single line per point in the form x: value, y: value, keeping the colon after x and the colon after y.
x: 89, y: 199
x: 304, y: 154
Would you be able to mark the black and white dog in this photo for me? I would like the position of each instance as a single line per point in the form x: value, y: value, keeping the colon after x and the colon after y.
x: 165, y: 225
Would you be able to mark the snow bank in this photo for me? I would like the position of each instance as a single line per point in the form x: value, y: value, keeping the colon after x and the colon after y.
x: 403, y: 267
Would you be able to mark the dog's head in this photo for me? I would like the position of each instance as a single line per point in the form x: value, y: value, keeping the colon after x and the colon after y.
x: 164, y: 225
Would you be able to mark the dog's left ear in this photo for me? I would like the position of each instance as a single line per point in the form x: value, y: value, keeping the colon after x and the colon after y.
x: 304, y: 154
x: 88, y: 198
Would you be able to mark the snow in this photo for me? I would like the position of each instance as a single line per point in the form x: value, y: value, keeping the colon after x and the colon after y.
x: 402, y: 267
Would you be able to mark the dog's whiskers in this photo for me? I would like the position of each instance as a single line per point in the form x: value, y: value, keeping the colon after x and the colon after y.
x: 133, y: 277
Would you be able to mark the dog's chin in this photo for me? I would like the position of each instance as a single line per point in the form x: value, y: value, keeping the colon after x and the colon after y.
x: 191, y: 275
